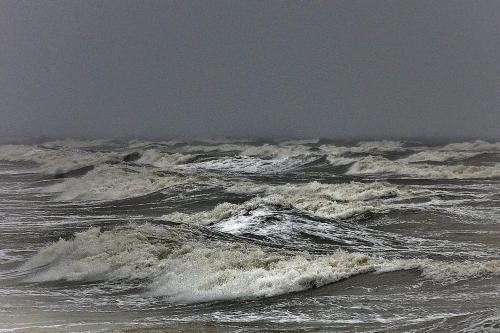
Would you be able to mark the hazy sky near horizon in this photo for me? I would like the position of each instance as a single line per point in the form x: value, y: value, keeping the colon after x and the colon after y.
x: 250, y: 68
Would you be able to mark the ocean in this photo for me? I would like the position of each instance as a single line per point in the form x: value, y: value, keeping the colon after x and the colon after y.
x: 250, y: 236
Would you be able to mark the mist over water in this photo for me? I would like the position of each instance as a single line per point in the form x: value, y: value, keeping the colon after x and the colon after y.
x: 193, y: 69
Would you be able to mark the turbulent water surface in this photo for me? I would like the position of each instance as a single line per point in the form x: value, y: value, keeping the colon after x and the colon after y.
x: 222, y: 236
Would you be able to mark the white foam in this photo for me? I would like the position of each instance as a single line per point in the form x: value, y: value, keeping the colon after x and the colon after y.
x: 453, y: 151
x: 363, y: 147
x: 352, y: 191
x: 53, y: 161
x: 340, y: 160
x: 188, y: 271
x: 281, y: 150
x: 322, y: 200
x: 111, y: 182
x: 437, y: 156
x: 267, y: 150
x: 320, y: 208
x: 380, y: 165
x: 177, y: 265
x: 247, y: 164
x: 478, y: 145
x: 163, y: 160
x: 242, y: 271
x: 383, y: 145
x: 223, y: 147
x: 444, y: 271
x: 220, y: 212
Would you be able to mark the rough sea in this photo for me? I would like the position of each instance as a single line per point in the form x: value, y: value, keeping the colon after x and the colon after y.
x: 245, y: 236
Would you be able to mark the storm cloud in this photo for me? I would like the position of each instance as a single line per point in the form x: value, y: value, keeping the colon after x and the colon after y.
x: 250, y: 68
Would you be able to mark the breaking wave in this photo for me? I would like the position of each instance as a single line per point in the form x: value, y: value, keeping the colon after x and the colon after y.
x: 251, y: 165
x: 369, y: 157
x: 163, y: 160
x: 184, y: 267
x: 54, y: 161
x: 379, y: 165
x: 317, y: 199
x: 113, y: 182
x: 477, y: 145
x: 364, y: 147
x: 438, y: 156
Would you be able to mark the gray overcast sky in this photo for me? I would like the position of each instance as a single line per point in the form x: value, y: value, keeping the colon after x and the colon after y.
x: 250, y: 68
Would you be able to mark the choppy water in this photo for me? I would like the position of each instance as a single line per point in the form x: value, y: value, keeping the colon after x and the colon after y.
x: 220, y: 236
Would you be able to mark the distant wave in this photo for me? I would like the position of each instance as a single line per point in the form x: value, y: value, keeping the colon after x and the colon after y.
x: 112, y: 182
x: 103, y: 169
x: 52, y: 161
x: 380, y: 165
